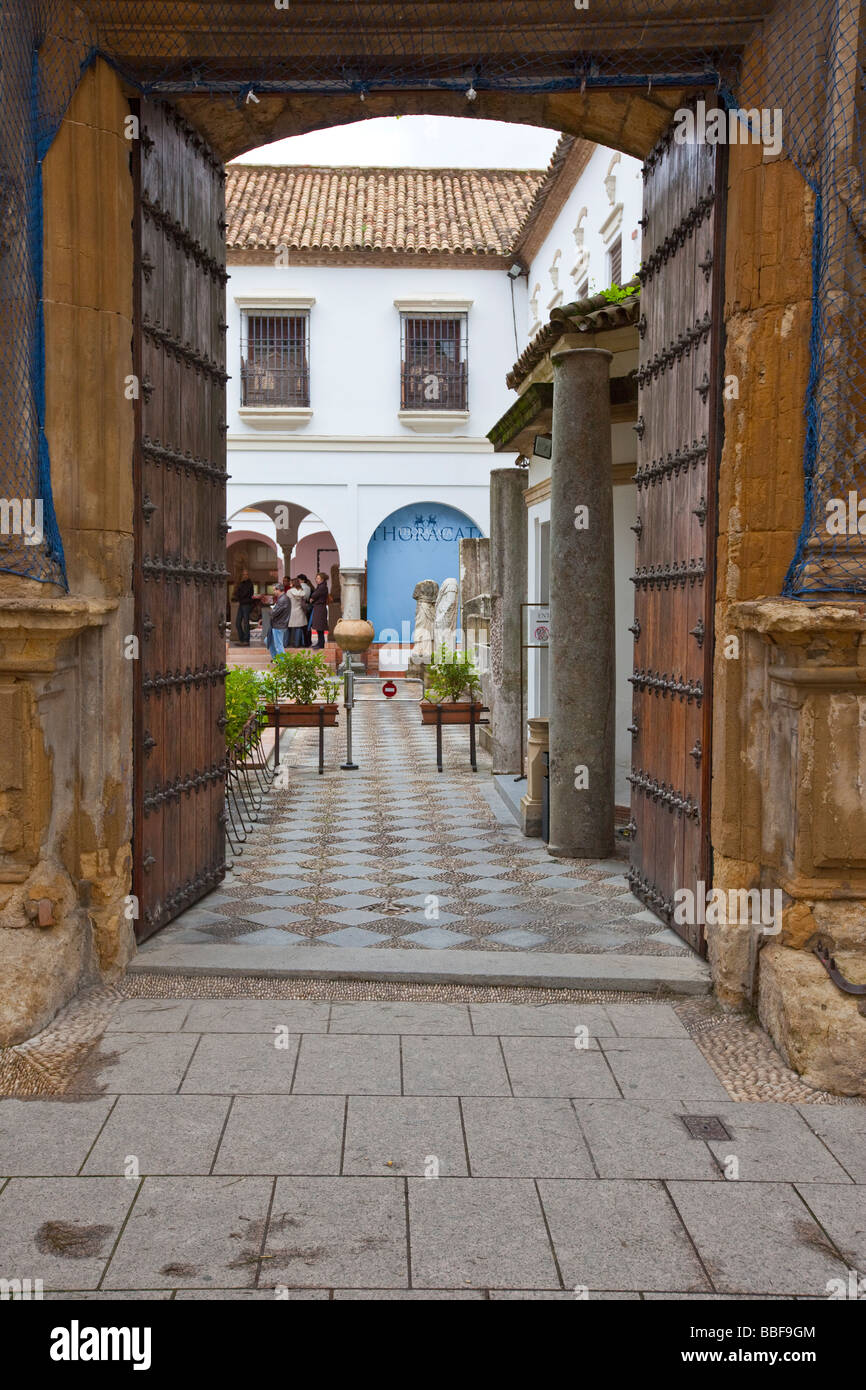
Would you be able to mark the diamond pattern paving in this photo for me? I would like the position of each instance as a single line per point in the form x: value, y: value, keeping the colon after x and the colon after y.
x: 398, y: 855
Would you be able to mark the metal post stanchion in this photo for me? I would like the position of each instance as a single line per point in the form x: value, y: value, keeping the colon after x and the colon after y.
x: 348, y: 675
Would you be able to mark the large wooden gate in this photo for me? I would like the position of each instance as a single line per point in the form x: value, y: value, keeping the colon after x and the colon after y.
x: 180, y: 475
x: 679, y: 436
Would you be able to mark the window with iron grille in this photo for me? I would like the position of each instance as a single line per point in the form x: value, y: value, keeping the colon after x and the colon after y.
x: 614, y: 259
x: 434, y: 362
x: 275, y: 359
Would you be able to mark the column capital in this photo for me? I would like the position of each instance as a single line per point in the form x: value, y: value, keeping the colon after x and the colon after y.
x: 580, y: 352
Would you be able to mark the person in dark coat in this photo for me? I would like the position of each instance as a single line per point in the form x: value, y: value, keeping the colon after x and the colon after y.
x: 280, y: 614
x: 243, y: 597
x: 319, y: 613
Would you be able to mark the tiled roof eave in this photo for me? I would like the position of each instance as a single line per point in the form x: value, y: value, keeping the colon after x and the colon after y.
x: 592, y: 315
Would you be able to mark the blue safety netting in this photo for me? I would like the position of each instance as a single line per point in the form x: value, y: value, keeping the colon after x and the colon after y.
x: 809, y: 67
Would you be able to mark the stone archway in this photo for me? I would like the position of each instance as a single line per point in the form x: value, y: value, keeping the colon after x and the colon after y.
x: 768, y: 318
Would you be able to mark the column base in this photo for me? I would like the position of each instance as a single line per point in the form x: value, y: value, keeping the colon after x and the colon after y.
x: 530, y: 817
x: 602, y: 850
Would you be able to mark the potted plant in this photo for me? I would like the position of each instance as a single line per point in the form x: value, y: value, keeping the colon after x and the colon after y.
x: 299, y: 687
x: 271, y: 690
x: 454, y: 685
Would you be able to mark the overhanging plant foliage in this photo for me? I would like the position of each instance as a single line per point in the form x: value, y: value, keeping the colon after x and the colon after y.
x: 452, y: 676
x: 243, y: 696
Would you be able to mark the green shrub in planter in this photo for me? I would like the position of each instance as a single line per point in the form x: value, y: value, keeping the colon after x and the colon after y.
x: 452, y: 676
x: 271, y: 687
x: 301, y: 676
x: 242, y: 698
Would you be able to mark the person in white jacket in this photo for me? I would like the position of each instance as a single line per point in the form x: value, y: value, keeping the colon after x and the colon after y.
x: 298, y: 615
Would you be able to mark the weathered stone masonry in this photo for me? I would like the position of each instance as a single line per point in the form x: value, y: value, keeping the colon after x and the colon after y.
x: 788, y: 757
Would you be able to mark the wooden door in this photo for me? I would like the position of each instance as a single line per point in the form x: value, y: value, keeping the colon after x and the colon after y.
x: 180, y: 476
x: 679, y: 380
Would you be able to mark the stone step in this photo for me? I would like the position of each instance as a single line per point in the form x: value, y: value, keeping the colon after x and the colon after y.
x: 643, y: 974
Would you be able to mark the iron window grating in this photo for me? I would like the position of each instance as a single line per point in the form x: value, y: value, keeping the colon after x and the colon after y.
x: 434, y: 361
x: 615, y: 262
x: 275, y: 358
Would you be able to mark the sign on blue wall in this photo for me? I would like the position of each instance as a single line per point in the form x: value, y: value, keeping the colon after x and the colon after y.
x: 413, y: 543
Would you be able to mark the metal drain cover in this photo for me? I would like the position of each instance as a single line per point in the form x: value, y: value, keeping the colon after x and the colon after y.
x: 705, y: 1127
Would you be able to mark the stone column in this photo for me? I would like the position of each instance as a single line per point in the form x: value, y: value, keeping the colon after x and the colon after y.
x: 350, y: 588
x: 508, y: 547
x: 582, y: 660
x: 474, y: 568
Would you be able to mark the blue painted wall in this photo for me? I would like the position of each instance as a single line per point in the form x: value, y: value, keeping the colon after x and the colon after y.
x: 413, y: 543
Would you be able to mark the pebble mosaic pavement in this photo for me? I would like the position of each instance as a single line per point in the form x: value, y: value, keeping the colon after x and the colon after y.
x: 399, y: 855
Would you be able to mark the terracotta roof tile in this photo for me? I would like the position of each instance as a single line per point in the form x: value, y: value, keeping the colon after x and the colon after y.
x: 446, y: 211
x: 591, y: 315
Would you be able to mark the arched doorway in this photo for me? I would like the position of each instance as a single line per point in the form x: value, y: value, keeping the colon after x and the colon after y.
x: 256, y: 553
x: 418, y: 541
x: 273, y: 540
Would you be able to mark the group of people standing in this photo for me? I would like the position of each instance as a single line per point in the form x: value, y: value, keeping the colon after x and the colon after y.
x: 295, y: 613
x: 298, y: 613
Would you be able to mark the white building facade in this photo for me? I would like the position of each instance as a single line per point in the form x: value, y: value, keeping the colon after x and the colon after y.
x: 365, y: 373
x: 372, y: 321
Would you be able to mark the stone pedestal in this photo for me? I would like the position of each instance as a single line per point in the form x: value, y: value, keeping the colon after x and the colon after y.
x: 531, y: 803
x: 582, y: 653
x: 507, y: 590
x: 789, y: 816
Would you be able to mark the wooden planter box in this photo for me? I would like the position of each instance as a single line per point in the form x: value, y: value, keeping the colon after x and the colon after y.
x: 291, y: 716
x: 453, y: 711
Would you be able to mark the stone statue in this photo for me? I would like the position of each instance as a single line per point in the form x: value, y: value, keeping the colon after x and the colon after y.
x: 424, y: 595
x: 445, y: 617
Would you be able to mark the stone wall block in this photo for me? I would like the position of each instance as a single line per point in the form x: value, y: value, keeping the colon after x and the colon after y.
x: 831, y: 820
x: 732, y: 947
x: 87, y: 194
x: 737, y: 788
x: 818, y: 1029
x: 760, y: 485
x: 769, y: 232
x: 96, y: 426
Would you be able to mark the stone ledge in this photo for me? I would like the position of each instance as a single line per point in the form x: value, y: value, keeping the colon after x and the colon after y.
x: 32, y: 629
x: 794, y: 618
x: 677, y: 974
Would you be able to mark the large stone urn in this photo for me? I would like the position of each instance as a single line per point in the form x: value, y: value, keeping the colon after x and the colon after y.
x: 353, y: 634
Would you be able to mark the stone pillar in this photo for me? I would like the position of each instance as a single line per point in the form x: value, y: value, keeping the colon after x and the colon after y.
x: 475, y: 586
x: 508, y: 547
x: 532, y: 803
x: 474, y: 568
x: 582, y: 660
x: 350, y: 588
